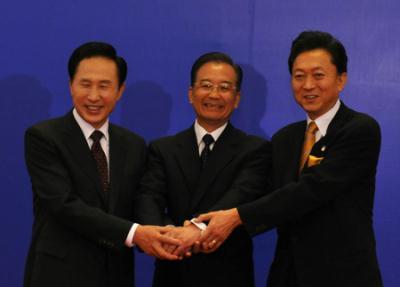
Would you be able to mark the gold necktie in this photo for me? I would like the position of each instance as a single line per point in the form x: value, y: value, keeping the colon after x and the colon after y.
x: 309, y: 141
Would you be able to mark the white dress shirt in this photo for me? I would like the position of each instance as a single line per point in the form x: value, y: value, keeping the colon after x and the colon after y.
x: 200, y: 132
x: 323, y: 121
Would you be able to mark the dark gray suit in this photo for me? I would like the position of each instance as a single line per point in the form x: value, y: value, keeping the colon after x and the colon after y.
x: 174, y: 189
x: 78, y: 233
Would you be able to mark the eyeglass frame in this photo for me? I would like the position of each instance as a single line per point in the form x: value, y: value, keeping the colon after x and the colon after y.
x: 221, y: 87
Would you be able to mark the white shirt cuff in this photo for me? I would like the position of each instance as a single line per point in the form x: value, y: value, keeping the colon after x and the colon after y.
x: 131, y: 234
x: 200, y: 225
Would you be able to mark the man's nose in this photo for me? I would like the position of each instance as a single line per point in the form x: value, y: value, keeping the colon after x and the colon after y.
x: 94, y: 94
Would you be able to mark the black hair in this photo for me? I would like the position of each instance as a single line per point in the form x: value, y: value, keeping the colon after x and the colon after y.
x: 217, y: 57
x: 311, y: 40
x: 97, y: 49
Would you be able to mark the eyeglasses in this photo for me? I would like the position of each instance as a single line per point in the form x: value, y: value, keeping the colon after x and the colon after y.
x: 223, y: 88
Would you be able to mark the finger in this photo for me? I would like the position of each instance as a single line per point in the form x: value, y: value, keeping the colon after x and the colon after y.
x: 210, y: 250
x: 180, y: 250
x: 165, y: 229
x: 162, y: 254
x: 169, y: 248
x: 196, y: 247
x: 188, y: 253
x: 186, y: 223
x: 169, y: 240
x: 206, y: 235
x: 209, y: 243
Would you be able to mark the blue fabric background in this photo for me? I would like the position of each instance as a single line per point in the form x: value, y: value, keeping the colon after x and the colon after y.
x: 160, y: 40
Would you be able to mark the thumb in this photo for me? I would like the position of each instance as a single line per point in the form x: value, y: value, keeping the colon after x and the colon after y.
x: 165, y: 229
x: 205, y: 217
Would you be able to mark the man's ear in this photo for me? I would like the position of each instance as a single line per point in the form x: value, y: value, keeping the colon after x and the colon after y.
x: 121, y: 90
x: 237, y: 100
x: 190, y: 95
x: 342, y: 80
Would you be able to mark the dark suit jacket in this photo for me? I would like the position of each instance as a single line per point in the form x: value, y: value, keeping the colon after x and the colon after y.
x: 324, y: 216
x: 78, y: 235
x: 174, y: 189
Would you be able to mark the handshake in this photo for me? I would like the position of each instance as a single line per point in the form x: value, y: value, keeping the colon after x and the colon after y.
x: 176, y: 243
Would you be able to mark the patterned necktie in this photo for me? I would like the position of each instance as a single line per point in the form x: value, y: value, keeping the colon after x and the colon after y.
x: 309, y: 141
x: 205, y: 153
x: 100, y: 158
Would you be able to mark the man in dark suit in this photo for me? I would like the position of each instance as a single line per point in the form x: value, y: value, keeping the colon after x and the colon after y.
x: 324, y: 192
x: 84, y: 187
x: 188, y: 174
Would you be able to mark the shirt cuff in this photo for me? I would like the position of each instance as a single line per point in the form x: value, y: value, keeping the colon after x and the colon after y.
x: 200, y: 225
x: 131, y: 234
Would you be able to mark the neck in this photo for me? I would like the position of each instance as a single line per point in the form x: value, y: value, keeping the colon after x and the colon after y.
x: 210, y: 127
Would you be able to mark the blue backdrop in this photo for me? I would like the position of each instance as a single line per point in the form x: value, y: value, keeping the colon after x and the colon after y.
x: 160, y: 40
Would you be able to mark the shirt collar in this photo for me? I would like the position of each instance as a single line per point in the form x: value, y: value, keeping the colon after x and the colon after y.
x: 200, y: 132
x: 87, y: 128
x: 323, y: 121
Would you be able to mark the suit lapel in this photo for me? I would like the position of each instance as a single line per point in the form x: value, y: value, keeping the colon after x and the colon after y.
x: 223, y: 152
x: 292, y: 153
x: 117, y: 163
x: 341, y: 117
x: 78, y: 146
x: 187, y: 156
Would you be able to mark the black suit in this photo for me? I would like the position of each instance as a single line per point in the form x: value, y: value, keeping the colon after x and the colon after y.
x: 78, y: 232
x: 175, y: 189
x: 324, y: 216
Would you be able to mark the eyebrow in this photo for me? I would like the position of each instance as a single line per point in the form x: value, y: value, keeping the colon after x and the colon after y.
x: 208, y: 80
x: 89, y: 81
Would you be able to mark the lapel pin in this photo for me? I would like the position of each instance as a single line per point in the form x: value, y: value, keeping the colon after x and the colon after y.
x: 323, y: 148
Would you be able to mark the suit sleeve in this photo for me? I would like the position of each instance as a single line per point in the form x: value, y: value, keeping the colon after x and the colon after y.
x: 151, y: 204
x: 55, y: 196
x: 252, y: 180
x: 350, y: 161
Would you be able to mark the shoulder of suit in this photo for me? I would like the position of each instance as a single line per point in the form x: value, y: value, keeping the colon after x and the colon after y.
x: 361, y: 123
x: 289, y: 129
x: 245, y: 138
x: 173, y: 139
x: 126, y: 133
x: 50, y: 125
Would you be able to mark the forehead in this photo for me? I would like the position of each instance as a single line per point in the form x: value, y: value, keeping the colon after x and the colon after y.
x: 216, y: 71
x: 313, y: 59
x: 99, y: 67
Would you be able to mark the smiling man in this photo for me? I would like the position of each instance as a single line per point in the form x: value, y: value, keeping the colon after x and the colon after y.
x: 190, y: 172
x: 324, y: 179
x: 84, y: 173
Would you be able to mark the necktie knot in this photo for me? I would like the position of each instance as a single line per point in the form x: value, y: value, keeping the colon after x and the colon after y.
x: 312, y: 128
x: 208, y: 139
x: 96, y: 136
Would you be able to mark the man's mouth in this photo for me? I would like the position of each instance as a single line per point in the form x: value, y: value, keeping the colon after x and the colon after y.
x: 93, y: 108
x: 310, y: 97
x: 213, y: 105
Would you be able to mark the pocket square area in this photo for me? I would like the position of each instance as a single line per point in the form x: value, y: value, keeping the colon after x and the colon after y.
x: 313, y: 160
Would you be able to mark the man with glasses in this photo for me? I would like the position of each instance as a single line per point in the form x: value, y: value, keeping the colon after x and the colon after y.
x: 190, y: 172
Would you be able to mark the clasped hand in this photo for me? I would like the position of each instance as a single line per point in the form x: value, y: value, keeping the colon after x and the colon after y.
x: 193, y: 240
